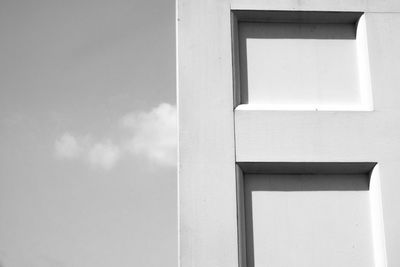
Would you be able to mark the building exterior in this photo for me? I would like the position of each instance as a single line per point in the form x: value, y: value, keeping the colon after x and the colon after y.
x: 289, y: 132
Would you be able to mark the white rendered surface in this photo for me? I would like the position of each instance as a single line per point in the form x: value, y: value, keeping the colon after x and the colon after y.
x: 333, y: 136
x: 207, y: 180
x: 287, y: 73
x: 308, y: 228
x: 334, y: 5
x: 289, y: 66
x: 378, y: 227
x: 208, y: 149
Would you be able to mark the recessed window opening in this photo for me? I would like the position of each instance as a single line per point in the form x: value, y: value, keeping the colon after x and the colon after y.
x: 299, y: 60
x: 310, y: 214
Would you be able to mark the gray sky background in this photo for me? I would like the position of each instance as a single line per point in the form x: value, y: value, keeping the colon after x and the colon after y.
x: 87, y: 95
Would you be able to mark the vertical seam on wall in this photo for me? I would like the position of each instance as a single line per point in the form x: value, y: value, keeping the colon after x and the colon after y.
x: 235, y: 102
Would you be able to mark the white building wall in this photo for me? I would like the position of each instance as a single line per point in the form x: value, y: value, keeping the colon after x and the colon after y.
x: 213, y: 136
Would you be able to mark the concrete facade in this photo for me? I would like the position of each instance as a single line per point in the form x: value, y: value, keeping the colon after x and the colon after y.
x: 219, y: 134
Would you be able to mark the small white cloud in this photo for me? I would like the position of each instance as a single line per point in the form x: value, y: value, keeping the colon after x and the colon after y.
x: 154, y: 134
x: 150, y: 134
x: 67, y: 147
x: 104, y: 155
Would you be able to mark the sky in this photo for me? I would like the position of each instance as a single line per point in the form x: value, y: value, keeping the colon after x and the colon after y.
x: 87, y: 133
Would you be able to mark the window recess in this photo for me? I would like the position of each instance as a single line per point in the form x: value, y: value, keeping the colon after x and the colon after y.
x: 301, y: 60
